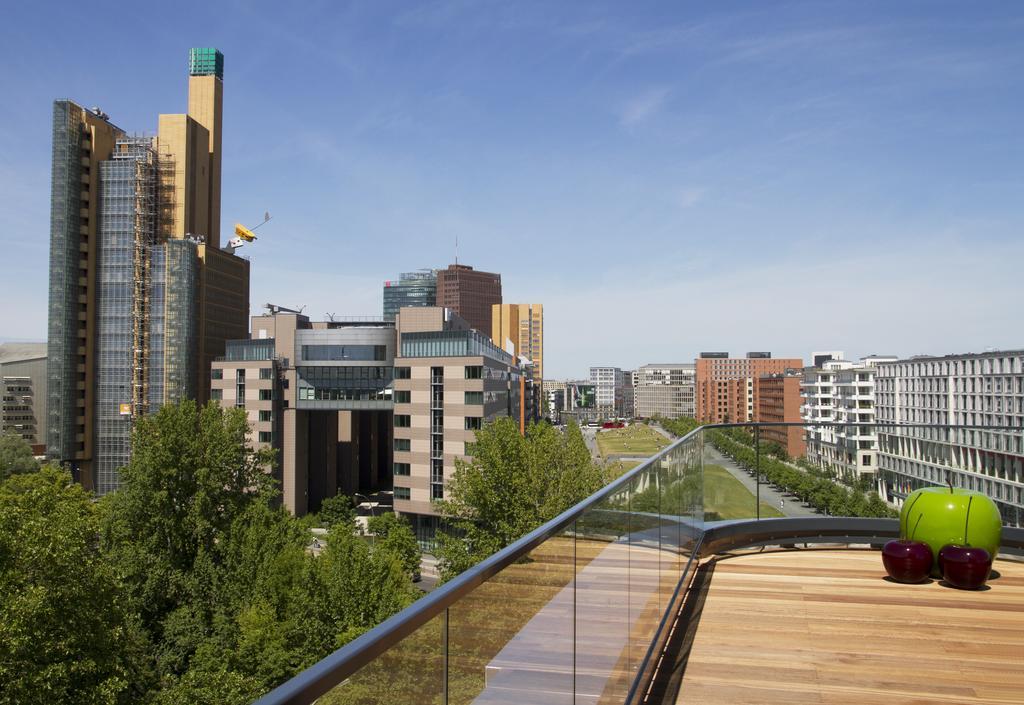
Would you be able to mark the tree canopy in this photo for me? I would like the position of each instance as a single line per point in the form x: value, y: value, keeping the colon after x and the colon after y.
x: 511, y: 485
x: 187, y: 585
x: 15, y: 455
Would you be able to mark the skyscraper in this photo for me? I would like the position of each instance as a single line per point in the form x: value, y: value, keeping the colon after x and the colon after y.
x: 411, y: 289
x: 523, y: 325
x: 469, y: 293
x: 142, y: 297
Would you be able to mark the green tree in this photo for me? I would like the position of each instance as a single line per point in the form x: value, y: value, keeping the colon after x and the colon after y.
x: 337, y: 510
x: 15, y: 455
x: 63, y: 635
x: 393, y: 533
x: 191, y: 476
x: 510, y: 485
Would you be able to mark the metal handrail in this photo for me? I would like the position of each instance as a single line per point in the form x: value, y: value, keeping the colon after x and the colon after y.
x: 327, y: 673
x: 333, y: 669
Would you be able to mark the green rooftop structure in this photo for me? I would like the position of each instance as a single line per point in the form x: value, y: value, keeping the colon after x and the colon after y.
x: 205, y: 61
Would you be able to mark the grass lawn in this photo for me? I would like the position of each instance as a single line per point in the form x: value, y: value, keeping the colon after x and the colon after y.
x: 637, y: 440
x: 726, y: 496
x: 621, y: 467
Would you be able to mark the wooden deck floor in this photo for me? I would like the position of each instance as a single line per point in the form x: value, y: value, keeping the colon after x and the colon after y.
x: 825, y: 626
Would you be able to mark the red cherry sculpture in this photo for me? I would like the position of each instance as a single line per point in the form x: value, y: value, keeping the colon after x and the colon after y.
x: 965, y: 567
x: 907, y: 561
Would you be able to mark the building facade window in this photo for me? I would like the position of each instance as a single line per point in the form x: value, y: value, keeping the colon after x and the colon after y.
x: 335, y: 353
x: 266, y: 373
x: 266, y: 415
x: 403, y: 373
x: 474, y: 398
x: 266, y: 394
x: 402, y: 444
x: 402, y: 396
x: 216, y: 373
x: 266, y: 436
x: 402, y: 469
x: 402, y: 421
x: 401, y: 493
x: 474, y: 423
x: 217, y: 394
x: 474, y: 372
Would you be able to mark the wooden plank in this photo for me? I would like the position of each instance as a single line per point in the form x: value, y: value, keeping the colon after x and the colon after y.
x: 825, y: 626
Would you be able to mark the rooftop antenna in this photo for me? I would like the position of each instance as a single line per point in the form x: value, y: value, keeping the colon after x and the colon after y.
x: 456, y: 249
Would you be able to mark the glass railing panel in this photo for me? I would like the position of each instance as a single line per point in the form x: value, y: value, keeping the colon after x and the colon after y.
x: 411, y: 671
x: 602, y: 602
x: 730, y: 480
x: 644, y: 563
x: 511, y: 638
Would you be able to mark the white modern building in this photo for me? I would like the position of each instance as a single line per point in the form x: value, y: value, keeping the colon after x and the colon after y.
x: 841, y: 391
x: 607, y: 383
x: 666, y: 390
x: 967, y: 390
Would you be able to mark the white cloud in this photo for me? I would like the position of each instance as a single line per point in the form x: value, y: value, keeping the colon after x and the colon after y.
x: 690, y: 196
x: 643, y: 106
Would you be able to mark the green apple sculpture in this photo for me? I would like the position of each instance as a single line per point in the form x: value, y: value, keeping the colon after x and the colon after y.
x: 951, y: 515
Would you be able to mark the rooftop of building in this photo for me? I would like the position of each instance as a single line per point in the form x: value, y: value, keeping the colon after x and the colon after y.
x: 19, y: 352
x: 959, y: 356
x: 826, y: 626
x: 667, y: 366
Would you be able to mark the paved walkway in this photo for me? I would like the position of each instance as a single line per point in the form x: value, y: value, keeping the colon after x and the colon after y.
x: 787, y: 504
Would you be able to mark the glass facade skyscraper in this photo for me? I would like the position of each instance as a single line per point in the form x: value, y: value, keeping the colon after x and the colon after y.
x: 411, y: 289
x: 142, y: 298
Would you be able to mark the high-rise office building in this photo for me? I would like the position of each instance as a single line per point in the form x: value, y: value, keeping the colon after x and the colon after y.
x: 983, y: 389
x: 469, y: 293
x: 519, y: 328
x: 725, y: 385
x: 23, y: 392
x: 142, y: 298
x: 411, y: 289
x: 665, y: 390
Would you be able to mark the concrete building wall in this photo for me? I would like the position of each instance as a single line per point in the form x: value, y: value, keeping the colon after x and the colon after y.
x: 985, y: 389
x: 23, y: 391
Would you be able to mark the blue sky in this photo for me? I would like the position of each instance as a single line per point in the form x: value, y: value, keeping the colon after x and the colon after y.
x: 665, y: 177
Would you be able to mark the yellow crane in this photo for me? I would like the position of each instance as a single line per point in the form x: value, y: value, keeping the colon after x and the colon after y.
x: 244, y: 234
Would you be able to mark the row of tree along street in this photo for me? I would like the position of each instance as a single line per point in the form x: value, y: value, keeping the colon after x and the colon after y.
x: 191, y: 585
x: 810, y: 484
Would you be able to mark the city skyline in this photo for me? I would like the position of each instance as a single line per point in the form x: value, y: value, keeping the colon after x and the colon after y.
x: 671, y: 171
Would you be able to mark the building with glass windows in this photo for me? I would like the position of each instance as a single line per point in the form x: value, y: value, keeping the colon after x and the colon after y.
x: 470, y: 293
x: 449, y: 381
x: 23, y: 392
x: 141, y: 297
x: 980, y: 390
x: 665, y: 389
x: 411, y: 289
x: 319, y: 393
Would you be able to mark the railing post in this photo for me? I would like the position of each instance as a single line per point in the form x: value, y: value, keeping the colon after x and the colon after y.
x: 444, y: 651
x: 757, y: 455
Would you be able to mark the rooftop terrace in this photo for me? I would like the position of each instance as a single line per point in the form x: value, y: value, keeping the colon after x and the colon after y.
x: 826, y: 626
